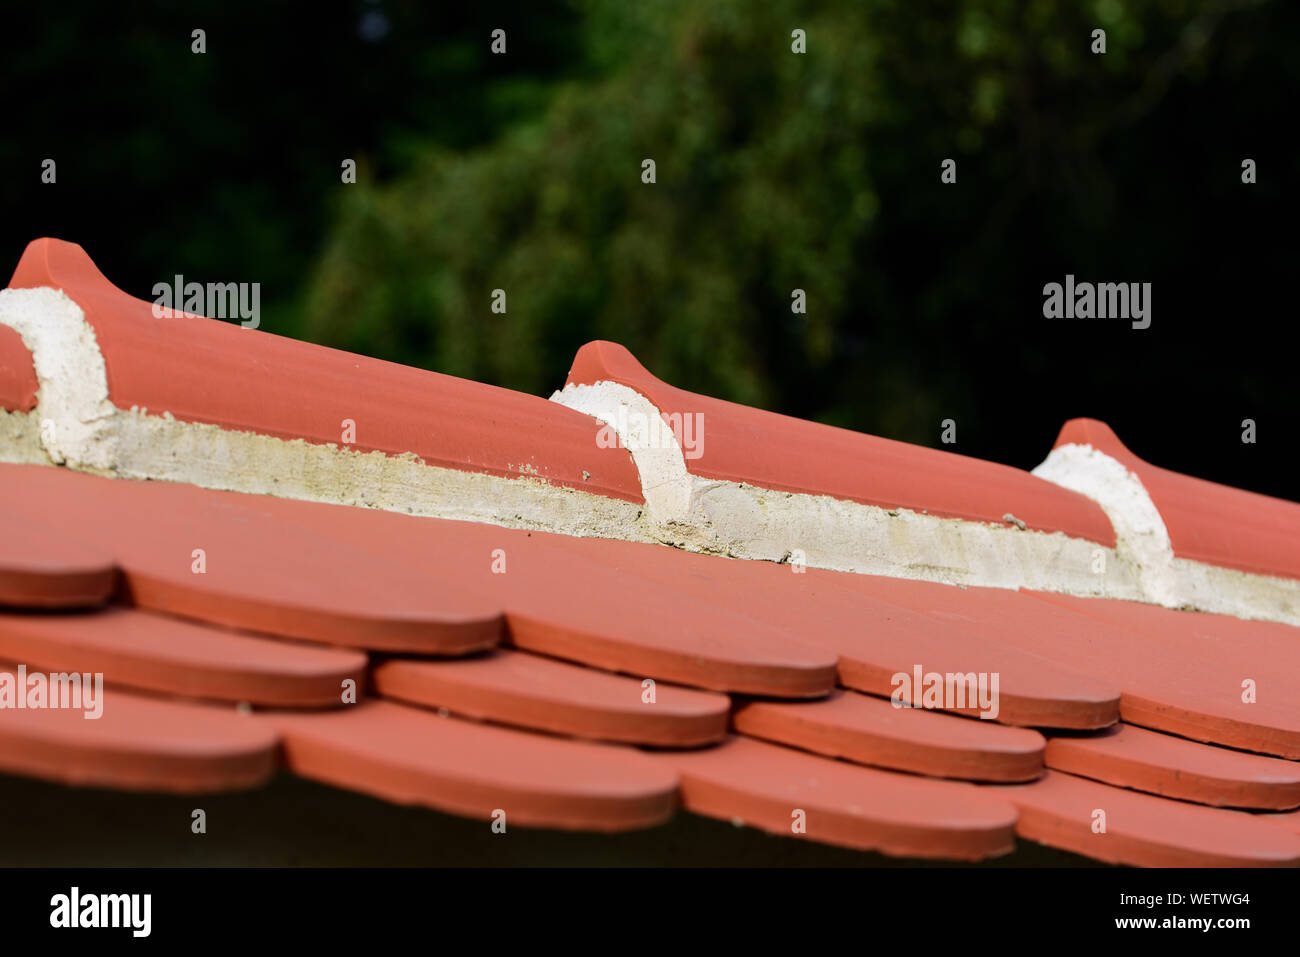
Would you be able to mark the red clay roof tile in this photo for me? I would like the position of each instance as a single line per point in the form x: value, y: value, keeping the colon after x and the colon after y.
x: 1143, y: 830
x: 1132, y: 757
x: 41, y: 568
x: 765, y: 786
x: 186, y: 365
x: 1207, y: 522
x: 18, y: 383
x: 872, y: 640
x: 867, y: 730
x: 1186, y: 671
x: 258, y: 573
x: 774, y: 451
x: 157, y: 653
x: 137, y: 743
x: 411, y: 756
x: 518, y: 688
x: 1186, y: 687
x: 564, y: 606
x: 1290, y: 820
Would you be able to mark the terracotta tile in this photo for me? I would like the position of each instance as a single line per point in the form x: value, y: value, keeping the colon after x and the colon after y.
x: 1187, y: 671
x: 518, y: 688
x: 1267, y: 645
x: 763, y: 785
x: 787, y: 454
x: 292, y: 389
x: 869, y: 730
x: 1186, y: 686
x: 411, y: 756
x: 394, y: 582
x: 1207, y: 522
x: 18, y: 383
x: 1033, y: 691
x: 260, y: 573
x: 41, y: 568
x: 156, y: 653
x: 565, y: 606
x: 138, y: 743
x: 1144, y: 830
x: 871, y: 639
x: 1289, y: 820
x: 1132, y: 757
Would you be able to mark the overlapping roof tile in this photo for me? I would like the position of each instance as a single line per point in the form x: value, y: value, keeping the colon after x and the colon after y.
x: 778, y: 452
x: 411, y: 756
x: 530, y: 691
x: 872, y: 639
x: 136, y: 743
x: 790, y: 792
x: 39, y: 569
x: 1187, y: 685
x: 1127, y: 827
x: 243, y: 379
x: 869, y: 730
x: 1207, y: 522
x: 535, y: 625
x: 150, y: 652
x: 1133, y: 757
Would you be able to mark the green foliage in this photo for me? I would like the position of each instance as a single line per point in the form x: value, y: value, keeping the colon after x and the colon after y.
x: 775, y: 171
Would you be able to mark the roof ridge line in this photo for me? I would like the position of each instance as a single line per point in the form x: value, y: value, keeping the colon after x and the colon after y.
x: 744, y: 520
x: 77, y: 423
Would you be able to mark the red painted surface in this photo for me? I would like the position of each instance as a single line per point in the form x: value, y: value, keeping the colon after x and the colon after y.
x: 410, y: 756
x: 394, y: 582
x: 260, y: 574
x: 1207, y: 522
x: 40, y: 568
x: 138, y: 743
x: 742, y: 444
x: 1290, y: 820
x: 168, y: 655
x: 562, y: 605
x: 203, y: 370
x: 1144, y: 830
x: 1132, y: 757
x: 763, y: 785
x: 517, y: 688
x: 1185, y: 685
x: 868, y: 730
x: 872, y: 640
x: 1186, y: 670
x: 18, y: 383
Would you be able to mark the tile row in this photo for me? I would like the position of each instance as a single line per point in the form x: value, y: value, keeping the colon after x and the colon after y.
x: 183, y: 366
x: 518, y: 728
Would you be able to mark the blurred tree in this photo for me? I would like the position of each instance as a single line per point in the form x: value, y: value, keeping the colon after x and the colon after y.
x: 223, y: 165
x: 821, y: 171
x: 776, y: 171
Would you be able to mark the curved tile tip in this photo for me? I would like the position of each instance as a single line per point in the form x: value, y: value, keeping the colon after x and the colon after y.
x: 602, y: 359
x: 1095, y: 433
x: 53, y: 262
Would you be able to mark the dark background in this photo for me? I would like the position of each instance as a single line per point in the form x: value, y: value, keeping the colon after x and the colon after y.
x: 775, y: 171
